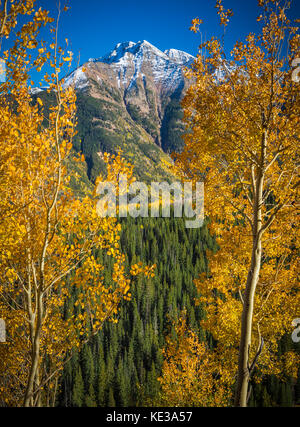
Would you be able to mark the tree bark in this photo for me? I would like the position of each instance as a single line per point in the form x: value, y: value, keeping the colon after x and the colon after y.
x: 246, y: 330
x: 35, y: 356
x: 252, y: 280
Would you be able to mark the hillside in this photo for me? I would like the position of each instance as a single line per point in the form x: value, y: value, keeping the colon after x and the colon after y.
x: 130, y: 99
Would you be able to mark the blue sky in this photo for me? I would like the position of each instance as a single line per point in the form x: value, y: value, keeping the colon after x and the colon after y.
x: 94, y: 27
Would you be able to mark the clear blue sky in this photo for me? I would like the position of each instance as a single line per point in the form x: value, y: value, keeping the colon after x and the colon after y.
x: 94, y: 27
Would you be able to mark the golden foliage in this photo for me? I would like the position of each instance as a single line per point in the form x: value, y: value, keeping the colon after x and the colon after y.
x: 193, y: 375
x: 242, y: 139
x: 48, y: 237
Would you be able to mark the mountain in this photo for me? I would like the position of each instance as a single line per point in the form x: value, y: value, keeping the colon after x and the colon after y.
x: 131, y: 66
x: 130, y: 99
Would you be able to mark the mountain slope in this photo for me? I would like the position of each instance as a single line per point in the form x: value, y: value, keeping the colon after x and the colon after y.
x: 130, y: 98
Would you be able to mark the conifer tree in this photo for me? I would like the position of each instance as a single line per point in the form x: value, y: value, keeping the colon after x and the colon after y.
x: 78, y: 389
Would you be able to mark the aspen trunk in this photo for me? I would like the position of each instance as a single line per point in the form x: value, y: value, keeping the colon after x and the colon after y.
x: 28, y: 401
x: 35, y: 357
x: 241, y: 396
x: 246, y: 330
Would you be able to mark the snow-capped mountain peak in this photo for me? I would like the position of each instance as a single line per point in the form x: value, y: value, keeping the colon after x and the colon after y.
x: 147, y: 49
x: 117, y: 53
x: 130, y: 61
x: 123, y: 49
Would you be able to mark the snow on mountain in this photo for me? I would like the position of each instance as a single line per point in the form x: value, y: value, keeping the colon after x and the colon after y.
x: 130, y: 60
x: 78, y: 78
x: 141, y: 48
x: 166, y: 67
x: 36, y: 90
x: 179, y: 56
x: 131, y: 98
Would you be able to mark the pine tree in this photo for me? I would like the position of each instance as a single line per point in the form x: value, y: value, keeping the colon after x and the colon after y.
x: 102, y: 381
x: 78, y: 389
x: 111, y: 400
x: 90, y: 398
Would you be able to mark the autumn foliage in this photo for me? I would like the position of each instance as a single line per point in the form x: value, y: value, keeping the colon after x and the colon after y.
x: 192, y: 374
x: 242, y: 139
x: 48, y: 236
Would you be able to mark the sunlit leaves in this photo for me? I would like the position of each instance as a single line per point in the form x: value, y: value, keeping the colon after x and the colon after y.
x: 242, y: 121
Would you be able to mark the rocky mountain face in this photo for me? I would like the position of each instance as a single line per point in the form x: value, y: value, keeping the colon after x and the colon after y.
x: 130, y: 99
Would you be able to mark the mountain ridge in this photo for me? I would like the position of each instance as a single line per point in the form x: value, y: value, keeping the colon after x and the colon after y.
x: 137, y: 53
x: 129, y: 99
